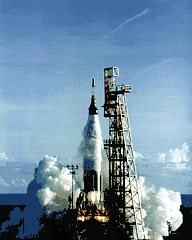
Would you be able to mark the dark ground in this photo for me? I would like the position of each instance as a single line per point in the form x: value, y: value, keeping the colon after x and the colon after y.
x: 67, y: 227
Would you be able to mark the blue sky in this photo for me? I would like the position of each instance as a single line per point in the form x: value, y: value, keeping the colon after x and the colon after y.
x: 49, y: 52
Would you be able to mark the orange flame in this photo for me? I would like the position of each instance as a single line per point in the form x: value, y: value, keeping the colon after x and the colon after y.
x: 100, y: 215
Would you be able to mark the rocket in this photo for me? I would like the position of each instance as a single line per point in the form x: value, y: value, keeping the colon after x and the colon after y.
x: 93, y: 83
x: 93, y: 110
x: 92, y: 160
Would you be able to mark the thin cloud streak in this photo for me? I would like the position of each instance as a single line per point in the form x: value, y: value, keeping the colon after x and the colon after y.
x: 129, y: 20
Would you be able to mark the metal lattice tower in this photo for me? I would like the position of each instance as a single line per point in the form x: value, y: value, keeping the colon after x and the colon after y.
x: 122, y: 169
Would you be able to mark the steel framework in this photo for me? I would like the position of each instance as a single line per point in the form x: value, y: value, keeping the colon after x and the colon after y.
x: 122, y: 169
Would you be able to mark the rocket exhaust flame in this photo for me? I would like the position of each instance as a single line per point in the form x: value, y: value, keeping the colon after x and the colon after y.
x: 94, y: 197
x: 101, y: 215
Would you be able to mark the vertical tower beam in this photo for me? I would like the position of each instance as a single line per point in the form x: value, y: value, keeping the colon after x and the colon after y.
x: 122, y: 169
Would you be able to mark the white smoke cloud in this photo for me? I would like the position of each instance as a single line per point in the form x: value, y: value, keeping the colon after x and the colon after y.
x: 160, y: 206
x: 46, y: 196
x: 48, y: 192
x: 176, y: 159
x: 91, y: 145
x: 56, y: 184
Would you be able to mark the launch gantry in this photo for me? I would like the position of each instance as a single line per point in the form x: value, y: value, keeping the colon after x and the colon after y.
x: 122, y: 169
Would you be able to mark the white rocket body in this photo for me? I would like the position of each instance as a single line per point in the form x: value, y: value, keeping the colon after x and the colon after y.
x: 92, y: 149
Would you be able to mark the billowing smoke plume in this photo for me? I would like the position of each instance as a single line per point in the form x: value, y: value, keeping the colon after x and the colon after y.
x: 161, y: 207
x: 55, y: 182
x: 47, y: 193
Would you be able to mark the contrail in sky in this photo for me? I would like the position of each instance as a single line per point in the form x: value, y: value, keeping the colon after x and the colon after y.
x: 129, y: 20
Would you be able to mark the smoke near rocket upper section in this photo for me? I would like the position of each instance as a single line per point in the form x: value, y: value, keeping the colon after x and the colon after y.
x: 129, y: 20
x: 92, y: 143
